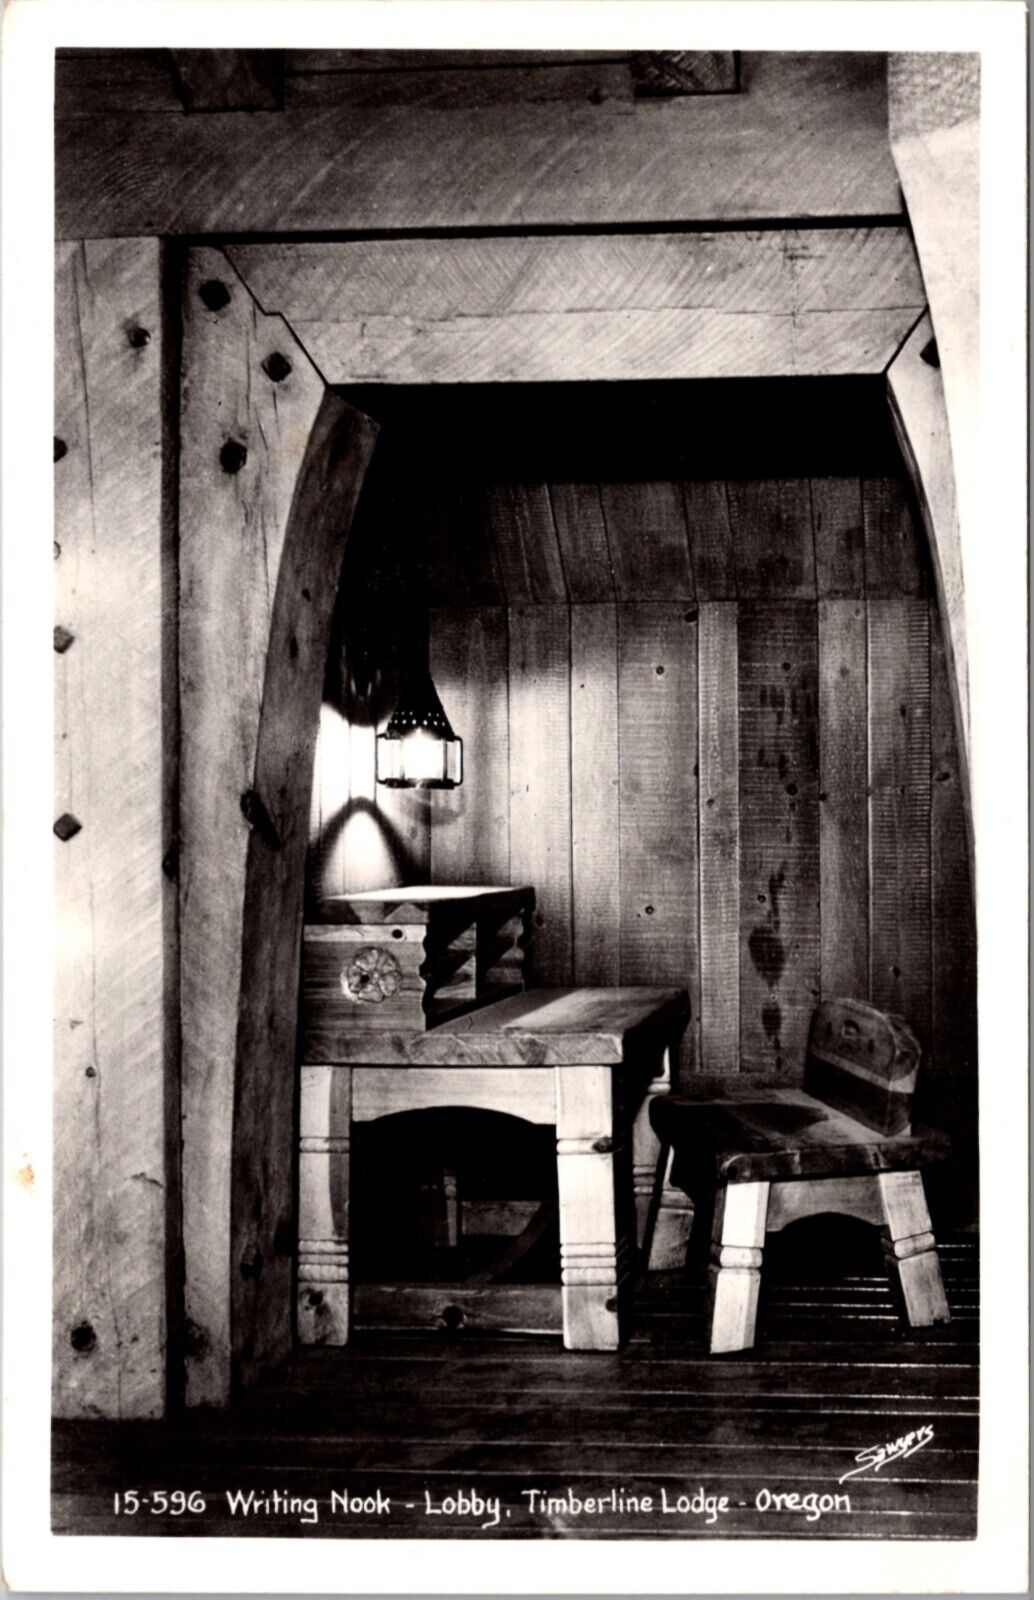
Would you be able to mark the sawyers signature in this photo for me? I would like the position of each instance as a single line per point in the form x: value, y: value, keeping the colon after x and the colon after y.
x: 875, y: 1456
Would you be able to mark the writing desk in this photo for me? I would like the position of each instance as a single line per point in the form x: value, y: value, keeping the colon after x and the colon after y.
x: 585, y: 1060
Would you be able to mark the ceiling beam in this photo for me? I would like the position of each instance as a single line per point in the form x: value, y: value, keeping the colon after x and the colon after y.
x: 793, y: 302
x: 805, y: 139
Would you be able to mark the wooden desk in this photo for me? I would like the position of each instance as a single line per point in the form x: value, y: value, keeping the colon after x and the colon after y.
x: 585, y: 1060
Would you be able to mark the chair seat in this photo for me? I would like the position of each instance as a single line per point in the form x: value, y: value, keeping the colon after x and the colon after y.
x: 751, y: 1135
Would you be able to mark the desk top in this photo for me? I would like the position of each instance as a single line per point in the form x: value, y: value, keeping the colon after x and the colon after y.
x: 539, y: 1027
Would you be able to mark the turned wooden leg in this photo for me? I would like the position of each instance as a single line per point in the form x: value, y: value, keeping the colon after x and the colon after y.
x: 734, y: 1277
x: 326, y: 1119
x: 596, y: 1209
x: 664, y: 1215
x: 910, y: 1248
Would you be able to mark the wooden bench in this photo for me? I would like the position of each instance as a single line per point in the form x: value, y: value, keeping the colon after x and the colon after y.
x: 588, y: 1061
x: 765, y: 1156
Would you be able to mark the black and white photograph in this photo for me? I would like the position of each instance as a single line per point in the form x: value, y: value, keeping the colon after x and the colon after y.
x: 534, y: 895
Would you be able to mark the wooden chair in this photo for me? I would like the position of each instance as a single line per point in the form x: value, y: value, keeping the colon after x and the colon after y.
x: 842, y: 1143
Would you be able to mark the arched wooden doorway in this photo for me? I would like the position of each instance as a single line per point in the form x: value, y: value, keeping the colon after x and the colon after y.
x: 271, y: 467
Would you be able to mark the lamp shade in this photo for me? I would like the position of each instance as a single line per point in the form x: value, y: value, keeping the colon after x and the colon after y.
x: 418, y: 749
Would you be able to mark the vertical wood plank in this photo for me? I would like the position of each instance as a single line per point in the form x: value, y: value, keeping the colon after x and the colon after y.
x: 648, y: 517
x: 540, y: 780
x: 953, y: 923
x: 657, y: 744
x: 843, y: 812
x: 112, y: 965
x: 461, y: 557
x: 771, y: 524
x: 836, y: 515
x: 779, y: 834
x: 893, y: 564
x: 899, y: 809
x: 710, y: 539
x: 270, y: 469
x: 719, y: 838
x: 594, y: 794
x: 470, y: 830
x: 582, y: 533
x: 525, y: 539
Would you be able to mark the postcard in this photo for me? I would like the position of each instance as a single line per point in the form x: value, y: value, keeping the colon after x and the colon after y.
x: 515, y: 802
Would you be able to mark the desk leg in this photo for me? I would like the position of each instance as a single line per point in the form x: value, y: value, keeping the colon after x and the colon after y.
x: 323, y: 1180
x: 596, y: 1209
x: 663, y: 1219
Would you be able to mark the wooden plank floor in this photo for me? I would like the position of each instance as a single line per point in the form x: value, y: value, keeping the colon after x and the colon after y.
x: 422, y: 1420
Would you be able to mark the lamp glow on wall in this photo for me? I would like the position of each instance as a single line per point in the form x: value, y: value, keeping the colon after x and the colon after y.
x: 418, y: 749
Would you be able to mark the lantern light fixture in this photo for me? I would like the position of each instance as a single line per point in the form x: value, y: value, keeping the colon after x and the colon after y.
x: 418, y: 749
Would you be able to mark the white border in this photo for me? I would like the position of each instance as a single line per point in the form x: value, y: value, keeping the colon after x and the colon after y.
x: 33, y: 1560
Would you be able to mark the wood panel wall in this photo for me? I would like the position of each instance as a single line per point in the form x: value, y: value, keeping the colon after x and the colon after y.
x: 709, y: 721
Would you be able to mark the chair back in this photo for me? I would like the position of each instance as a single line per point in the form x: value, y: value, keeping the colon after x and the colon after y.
x: 863, y: 1062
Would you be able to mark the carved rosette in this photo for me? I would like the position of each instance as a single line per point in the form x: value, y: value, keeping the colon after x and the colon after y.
x: 371, y: 975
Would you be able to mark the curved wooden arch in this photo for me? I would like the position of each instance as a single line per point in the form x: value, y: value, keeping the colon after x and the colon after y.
x: 919, y: 414
x: 270, y: 471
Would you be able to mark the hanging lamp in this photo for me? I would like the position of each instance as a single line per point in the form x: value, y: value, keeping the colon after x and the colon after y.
x: 418, y: 749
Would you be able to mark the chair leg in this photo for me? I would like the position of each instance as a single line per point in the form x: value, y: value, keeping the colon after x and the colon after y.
x: 734, y: 1277
x: 910, y: 1248
x: 669, y: 1221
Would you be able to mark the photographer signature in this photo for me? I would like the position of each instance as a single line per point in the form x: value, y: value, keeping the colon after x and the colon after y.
x: 875, y: 1456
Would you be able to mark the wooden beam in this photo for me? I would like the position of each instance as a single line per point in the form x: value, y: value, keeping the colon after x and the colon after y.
x: 672, y: 72
x: 229, y: 80
x: 793, y: 302
x: 270, y: 471
x: 415, y: 61
x: 584, y: 82
x: 917, y: 407
x: 115, y: 953
x: 88, y: 83
x: 807, y: 139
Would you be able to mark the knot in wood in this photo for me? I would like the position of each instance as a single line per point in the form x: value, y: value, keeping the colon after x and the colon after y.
x: 214, y: 294
x: 276, y: 367
x: 83, y: 1338
x: 138, y: 338
x: 233, y: 455
x: 371, y: 976
x: 60, y: 448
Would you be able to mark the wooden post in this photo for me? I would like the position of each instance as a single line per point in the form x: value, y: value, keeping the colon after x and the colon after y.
x: 115, y: 952
x: 270, y: 470
x: 596, y: 1227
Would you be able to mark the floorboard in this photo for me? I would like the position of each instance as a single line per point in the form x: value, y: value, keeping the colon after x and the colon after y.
x: 517, y: 1436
